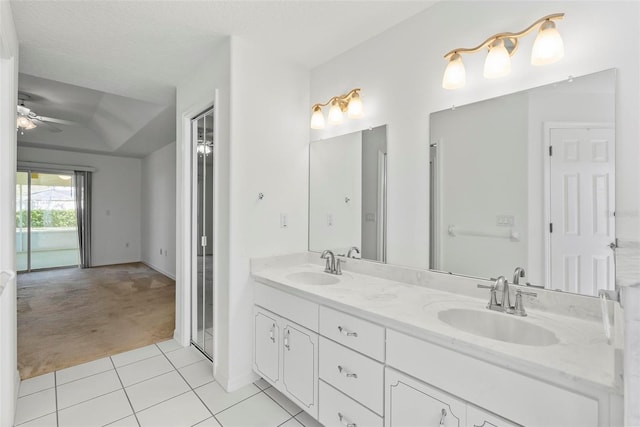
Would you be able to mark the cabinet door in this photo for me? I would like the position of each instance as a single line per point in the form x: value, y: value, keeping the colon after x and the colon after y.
x: 300, y: 366
x: 266, y: 345
x: 477, y: 417
x: 410, y: 402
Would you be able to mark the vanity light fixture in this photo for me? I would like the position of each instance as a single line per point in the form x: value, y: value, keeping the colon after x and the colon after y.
x: 547, y: 49
x: 349, y: 103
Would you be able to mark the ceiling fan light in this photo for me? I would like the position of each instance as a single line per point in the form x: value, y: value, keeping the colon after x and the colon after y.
x: 31, y: 125
x: 455, y: 76
x: 548, y: 46
x: 498, y: 62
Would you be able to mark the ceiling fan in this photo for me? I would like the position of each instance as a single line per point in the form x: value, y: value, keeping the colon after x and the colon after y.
x: 28, y: 119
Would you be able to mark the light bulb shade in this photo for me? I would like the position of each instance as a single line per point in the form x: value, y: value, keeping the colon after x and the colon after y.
x: 498, y: 62
x: 455, y: 75
x: 25, y: 123
x: 355, y: 110
x: 548, y: 47
x: 335, y: 114
x: 317, y: 118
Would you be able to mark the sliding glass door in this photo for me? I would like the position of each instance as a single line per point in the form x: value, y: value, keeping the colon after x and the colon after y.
x: 46, y: 228
x: 202, y: 229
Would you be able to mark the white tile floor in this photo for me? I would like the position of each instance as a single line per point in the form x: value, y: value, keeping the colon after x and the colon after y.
x: 154, y: 386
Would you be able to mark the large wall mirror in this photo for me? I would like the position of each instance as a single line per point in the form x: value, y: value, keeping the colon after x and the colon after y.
x: 348, y: 193
x: 528, y: 180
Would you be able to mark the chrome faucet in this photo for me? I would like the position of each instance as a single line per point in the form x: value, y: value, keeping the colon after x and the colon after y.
x: 333, y: 265
x: 505, y: 303
x: 517, y: 274
x: 351, y: 250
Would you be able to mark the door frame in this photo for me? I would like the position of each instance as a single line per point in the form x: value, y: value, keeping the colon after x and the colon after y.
x: 548, y: 126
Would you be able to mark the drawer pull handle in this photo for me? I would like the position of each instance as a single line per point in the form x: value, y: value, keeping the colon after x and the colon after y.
x: 346, y: 373
x: 345, y: 422
x: 443, y: 415
x: 345, y: 331
x: 286, y: 340
x: 272, y: 332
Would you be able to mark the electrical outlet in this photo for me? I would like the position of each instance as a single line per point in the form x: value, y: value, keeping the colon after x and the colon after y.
x: 284, y: 220
x: 505, y: 220
x: 330, y: 220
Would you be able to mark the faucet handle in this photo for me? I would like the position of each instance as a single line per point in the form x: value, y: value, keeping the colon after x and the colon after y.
x: 493, y: 287
x: 338, y: 270
x: 518, y: 309
x: 493, y: 298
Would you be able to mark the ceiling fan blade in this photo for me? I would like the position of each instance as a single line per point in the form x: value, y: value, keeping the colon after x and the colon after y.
x: 54, y: 120
x: 46, y: 125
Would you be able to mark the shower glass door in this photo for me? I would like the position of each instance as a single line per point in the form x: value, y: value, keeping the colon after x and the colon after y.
x: 203, y: 239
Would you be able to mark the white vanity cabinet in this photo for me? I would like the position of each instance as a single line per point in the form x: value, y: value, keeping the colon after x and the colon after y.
x: 285, y: 353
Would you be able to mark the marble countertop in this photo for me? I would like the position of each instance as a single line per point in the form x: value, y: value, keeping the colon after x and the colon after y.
x: 582, y: 358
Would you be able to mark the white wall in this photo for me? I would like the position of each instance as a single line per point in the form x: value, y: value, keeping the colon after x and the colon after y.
x: 158, y: 219
x: 400, y: 73
x: 260, y: 128
x: 9, y: 378
x: 269, y: 154
x: 116, y: 205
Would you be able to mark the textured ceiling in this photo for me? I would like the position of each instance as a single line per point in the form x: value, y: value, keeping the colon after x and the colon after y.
x: 142, y: 50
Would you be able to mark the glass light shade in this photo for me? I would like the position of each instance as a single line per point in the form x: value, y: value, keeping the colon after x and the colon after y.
x: 498, y: 62
x: 548, y: 47
x: 355, y: 110
x: 455, y: 75
x: 335, y: 114
x: 25, y: 123
x: 204, y: 149
x: 317, y: 119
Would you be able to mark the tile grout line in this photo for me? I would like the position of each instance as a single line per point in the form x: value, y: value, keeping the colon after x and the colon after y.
x: 125, y: 393
x: 55, y: 386
x: 194, y: 391
x: 278, y: 403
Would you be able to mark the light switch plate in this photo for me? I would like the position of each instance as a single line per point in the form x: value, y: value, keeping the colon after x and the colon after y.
x: 505, y: 220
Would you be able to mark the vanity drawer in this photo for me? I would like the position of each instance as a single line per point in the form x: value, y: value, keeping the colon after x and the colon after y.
x: 337, y: 409
x: 291, y: 307
x: 358, y: 334
x: 352, y: 373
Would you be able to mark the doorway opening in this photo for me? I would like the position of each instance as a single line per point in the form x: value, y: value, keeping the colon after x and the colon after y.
x: 46, y: 220
x: 202, y: 283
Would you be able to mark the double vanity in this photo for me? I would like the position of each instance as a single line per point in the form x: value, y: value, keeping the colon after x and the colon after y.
x: 382, y: 345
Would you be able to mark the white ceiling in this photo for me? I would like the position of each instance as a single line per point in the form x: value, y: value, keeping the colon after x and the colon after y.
x: 141, y: 50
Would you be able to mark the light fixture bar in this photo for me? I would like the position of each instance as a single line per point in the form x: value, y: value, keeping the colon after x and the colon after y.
x: 506, y: 35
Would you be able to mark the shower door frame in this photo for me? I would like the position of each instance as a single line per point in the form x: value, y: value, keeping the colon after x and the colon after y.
x: 196, y: 239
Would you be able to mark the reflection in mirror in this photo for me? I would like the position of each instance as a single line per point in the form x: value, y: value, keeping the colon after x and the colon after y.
x: 347, y: 194
x: 527, y: 180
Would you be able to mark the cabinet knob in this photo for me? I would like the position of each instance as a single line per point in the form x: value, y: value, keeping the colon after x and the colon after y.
x: 443, y: 415
x: 345, y: 422
x: 345, y: 331
x: 346, y: 373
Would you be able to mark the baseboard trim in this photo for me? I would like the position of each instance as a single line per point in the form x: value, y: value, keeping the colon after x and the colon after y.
x: 232, y: 384
x: 159, y: 270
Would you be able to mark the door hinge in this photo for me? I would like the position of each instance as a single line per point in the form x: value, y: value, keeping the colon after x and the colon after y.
x: 550, y: 150
x: 203, y: 241
x: 550, y: 227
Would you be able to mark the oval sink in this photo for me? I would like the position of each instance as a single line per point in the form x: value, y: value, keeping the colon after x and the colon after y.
x: 498, y: 326
x: 312, y: 278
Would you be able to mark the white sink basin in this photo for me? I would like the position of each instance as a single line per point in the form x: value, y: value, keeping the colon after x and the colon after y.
x: 498, y: 326
x: 312, y: 278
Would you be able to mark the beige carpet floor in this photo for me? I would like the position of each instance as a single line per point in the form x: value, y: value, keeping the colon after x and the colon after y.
x: 71, y: 316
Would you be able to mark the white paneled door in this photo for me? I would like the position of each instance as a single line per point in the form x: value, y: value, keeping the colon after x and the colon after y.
x: 582, y: 204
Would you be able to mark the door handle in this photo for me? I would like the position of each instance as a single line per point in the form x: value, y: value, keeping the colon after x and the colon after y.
x: 286, y: 340
x: 272, y: 333
x: 612, y: 246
